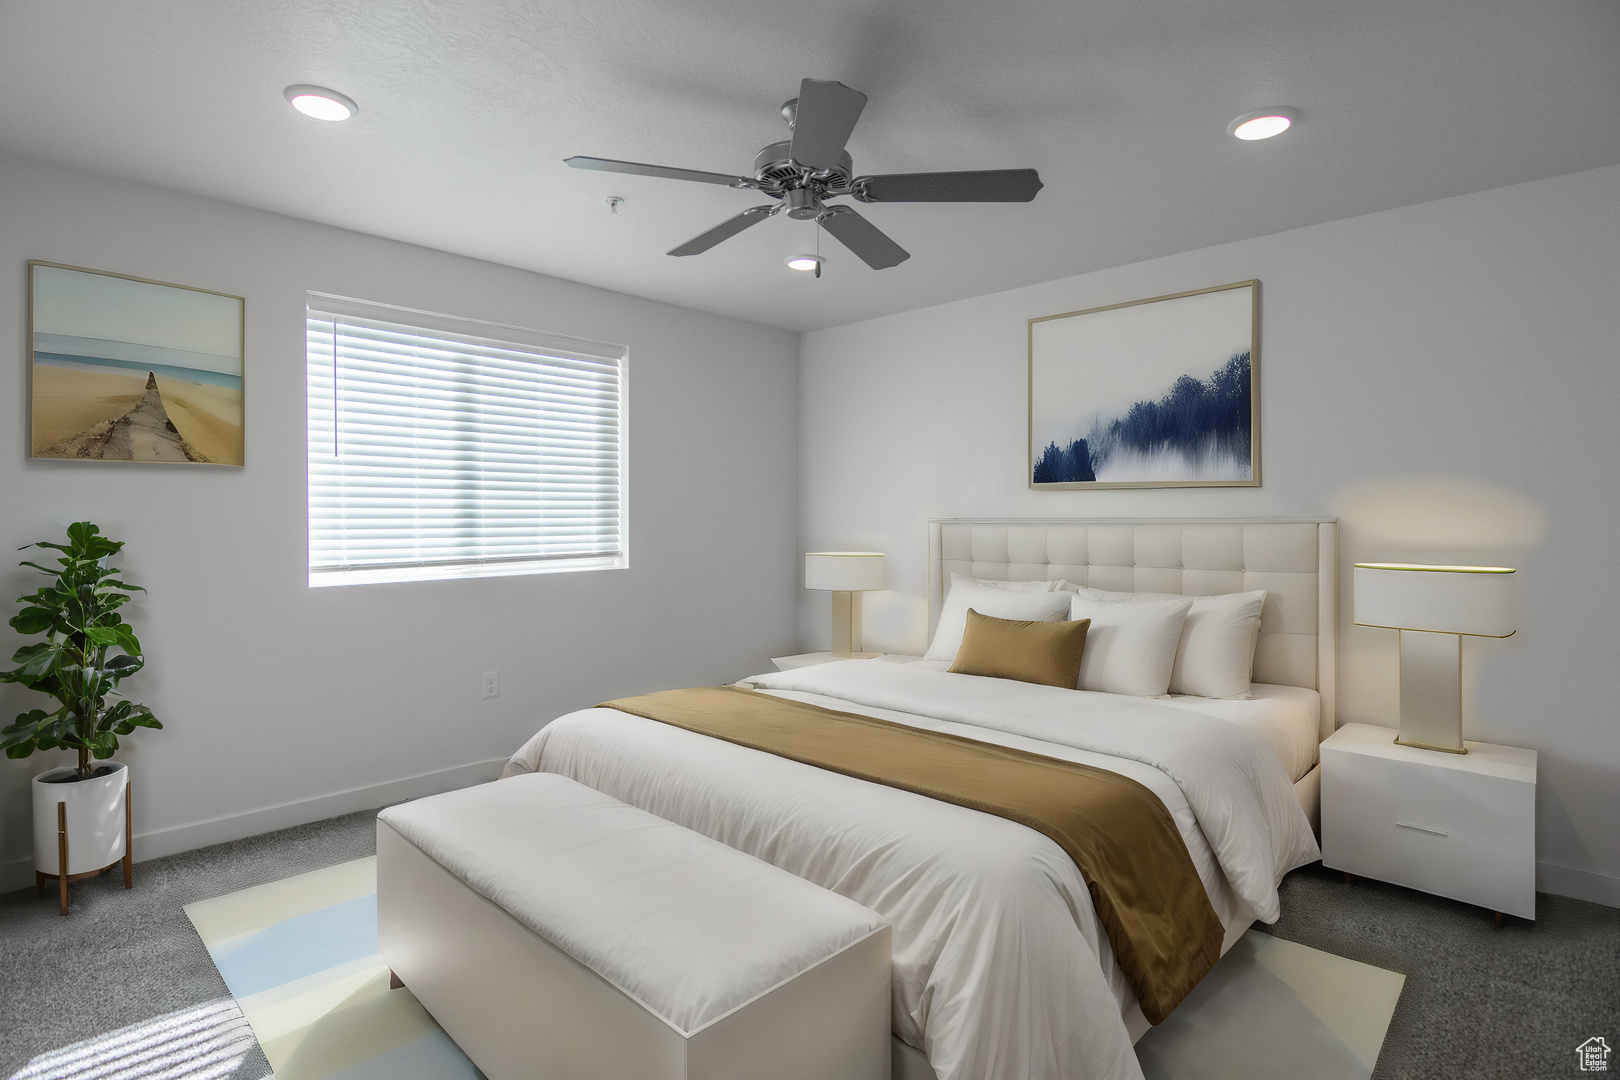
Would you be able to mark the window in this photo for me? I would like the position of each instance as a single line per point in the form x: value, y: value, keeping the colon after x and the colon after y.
x: 441, y: 447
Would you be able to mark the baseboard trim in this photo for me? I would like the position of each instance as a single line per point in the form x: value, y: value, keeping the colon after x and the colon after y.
x: 1550, y: 877
x: 1580, y: 884
x: 172, y: 841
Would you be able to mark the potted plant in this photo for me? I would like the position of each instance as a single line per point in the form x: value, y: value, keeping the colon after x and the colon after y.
x: 88, y: 650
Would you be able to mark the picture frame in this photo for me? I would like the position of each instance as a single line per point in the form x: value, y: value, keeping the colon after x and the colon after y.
x: 126, y: 368
x: 1162, y: 392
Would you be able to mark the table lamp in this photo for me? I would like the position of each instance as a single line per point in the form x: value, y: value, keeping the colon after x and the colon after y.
x: 1432, y: 606
x: 847, y: 574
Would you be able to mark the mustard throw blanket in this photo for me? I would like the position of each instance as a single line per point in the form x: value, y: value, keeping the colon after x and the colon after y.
x: 1142, y: 881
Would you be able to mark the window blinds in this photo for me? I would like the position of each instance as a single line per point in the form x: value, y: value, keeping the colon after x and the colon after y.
x: 442, y: 447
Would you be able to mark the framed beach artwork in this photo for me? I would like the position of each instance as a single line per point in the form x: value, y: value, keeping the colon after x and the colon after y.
x: 125, y: 369
x: 1153, y: 393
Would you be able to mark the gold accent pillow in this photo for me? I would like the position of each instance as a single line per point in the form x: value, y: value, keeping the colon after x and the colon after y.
x: 1035, y: 652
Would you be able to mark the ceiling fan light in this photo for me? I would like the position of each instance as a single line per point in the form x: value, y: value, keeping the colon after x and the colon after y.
x: 321, y: 103
x: 804, y: 262
x: 1262, y: 124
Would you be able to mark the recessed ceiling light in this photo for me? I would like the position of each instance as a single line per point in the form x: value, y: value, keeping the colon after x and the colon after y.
x: 321, y: 103
x: 804, y: 262
x: 1262, y: 124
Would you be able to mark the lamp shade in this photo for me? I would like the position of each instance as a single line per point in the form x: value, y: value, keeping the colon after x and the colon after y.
x: 1475, y: 600
x: 843, y: 571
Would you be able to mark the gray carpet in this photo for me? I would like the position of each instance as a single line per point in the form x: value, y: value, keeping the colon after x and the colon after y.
x: 1479, y: 1002
x: 123, y: 957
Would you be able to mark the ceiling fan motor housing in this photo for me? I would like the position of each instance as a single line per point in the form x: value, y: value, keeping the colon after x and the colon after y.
x: 802, y: 204
x: 778, y: 173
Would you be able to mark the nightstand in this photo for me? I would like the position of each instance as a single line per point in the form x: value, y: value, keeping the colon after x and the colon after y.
x: 1456, y: 825
x: 809, y: 659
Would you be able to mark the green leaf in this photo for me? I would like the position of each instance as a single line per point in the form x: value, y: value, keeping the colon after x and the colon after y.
x: 142, y: 717
x: 10, y: 738
x: 23, y: 731
x: 80, y: 532
x: 42, y: 658
x: 49, y: 597
x: 33, y: 649
x: 121, y: 667
x: 33, y: 620
x: 101, y: 636
x: 127, y: 639
x: 47, y: 683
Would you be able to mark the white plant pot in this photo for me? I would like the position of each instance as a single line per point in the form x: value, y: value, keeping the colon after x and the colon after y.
x: 95, y: 820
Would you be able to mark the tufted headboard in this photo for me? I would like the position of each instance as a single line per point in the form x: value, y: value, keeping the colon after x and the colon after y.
x: 1293, y: 559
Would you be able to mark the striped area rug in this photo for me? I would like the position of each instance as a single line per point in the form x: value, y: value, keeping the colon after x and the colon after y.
x: 300, y: 957
x: 1275, y: 1009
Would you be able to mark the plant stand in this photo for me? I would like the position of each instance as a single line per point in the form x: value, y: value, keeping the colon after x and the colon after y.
x: 64, y: 880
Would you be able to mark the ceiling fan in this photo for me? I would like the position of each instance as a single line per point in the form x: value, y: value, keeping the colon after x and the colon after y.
x: 813, y: 166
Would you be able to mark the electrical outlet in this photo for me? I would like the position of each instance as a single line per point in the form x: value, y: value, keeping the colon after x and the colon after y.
x: 492, y: 684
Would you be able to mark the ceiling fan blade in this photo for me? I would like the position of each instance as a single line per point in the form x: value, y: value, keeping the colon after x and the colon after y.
x: 862, y: 237
x: 725, y: 230
x: 826, y: 116
x: 636, y: 168
x: 985, y: 185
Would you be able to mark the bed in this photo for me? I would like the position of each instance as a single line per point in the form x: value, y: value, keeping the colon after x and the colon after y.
x: 1002, y: 970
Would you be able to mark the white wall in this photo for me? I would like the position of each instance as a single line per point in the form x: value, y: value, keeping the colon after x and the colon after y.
x: 1444, y: 378
x: 273, y: 693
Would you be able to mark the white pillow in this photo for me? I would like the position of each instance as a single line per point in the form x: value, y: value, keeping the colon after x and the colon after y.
x: 1215, y: 658
x: 1010, y: 586
x: 994, y: 600
x: 1131, y: 646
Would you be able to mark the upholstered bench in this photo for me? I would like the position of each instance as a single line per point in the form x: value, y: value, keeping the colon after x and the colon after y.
x: 553, y: 931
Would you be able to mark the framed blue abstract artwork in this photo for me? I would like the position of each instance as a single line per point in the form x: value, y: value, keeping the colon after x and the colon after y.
x: 1153, y: 393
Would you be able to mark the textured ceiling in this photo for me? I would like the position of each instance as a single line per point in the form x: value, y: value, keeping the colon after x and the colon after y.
x: 469, y: 106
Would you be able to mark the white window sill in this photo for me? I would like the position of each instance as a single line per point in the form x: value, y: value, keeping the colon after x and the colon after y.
x: 450, y: 571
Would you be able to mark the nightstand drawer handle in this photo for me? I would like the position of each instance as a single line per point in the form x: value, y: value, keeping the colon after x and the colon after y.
x: 1421, y: 828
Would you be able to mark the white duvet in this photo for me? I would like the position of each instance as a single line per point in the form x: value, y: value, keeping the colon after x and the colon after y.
x: 1001, y: 970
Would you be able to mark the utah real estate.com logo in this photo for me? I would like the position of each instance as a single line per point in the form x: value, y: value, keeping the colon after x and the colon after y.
x: 1594, y: 1055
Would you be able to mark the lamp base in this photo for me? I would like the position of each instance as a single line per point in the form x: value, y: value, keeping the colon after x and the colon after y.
x: 846, y: 626
x: 1431, y: 691
x: 1429, y: 746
